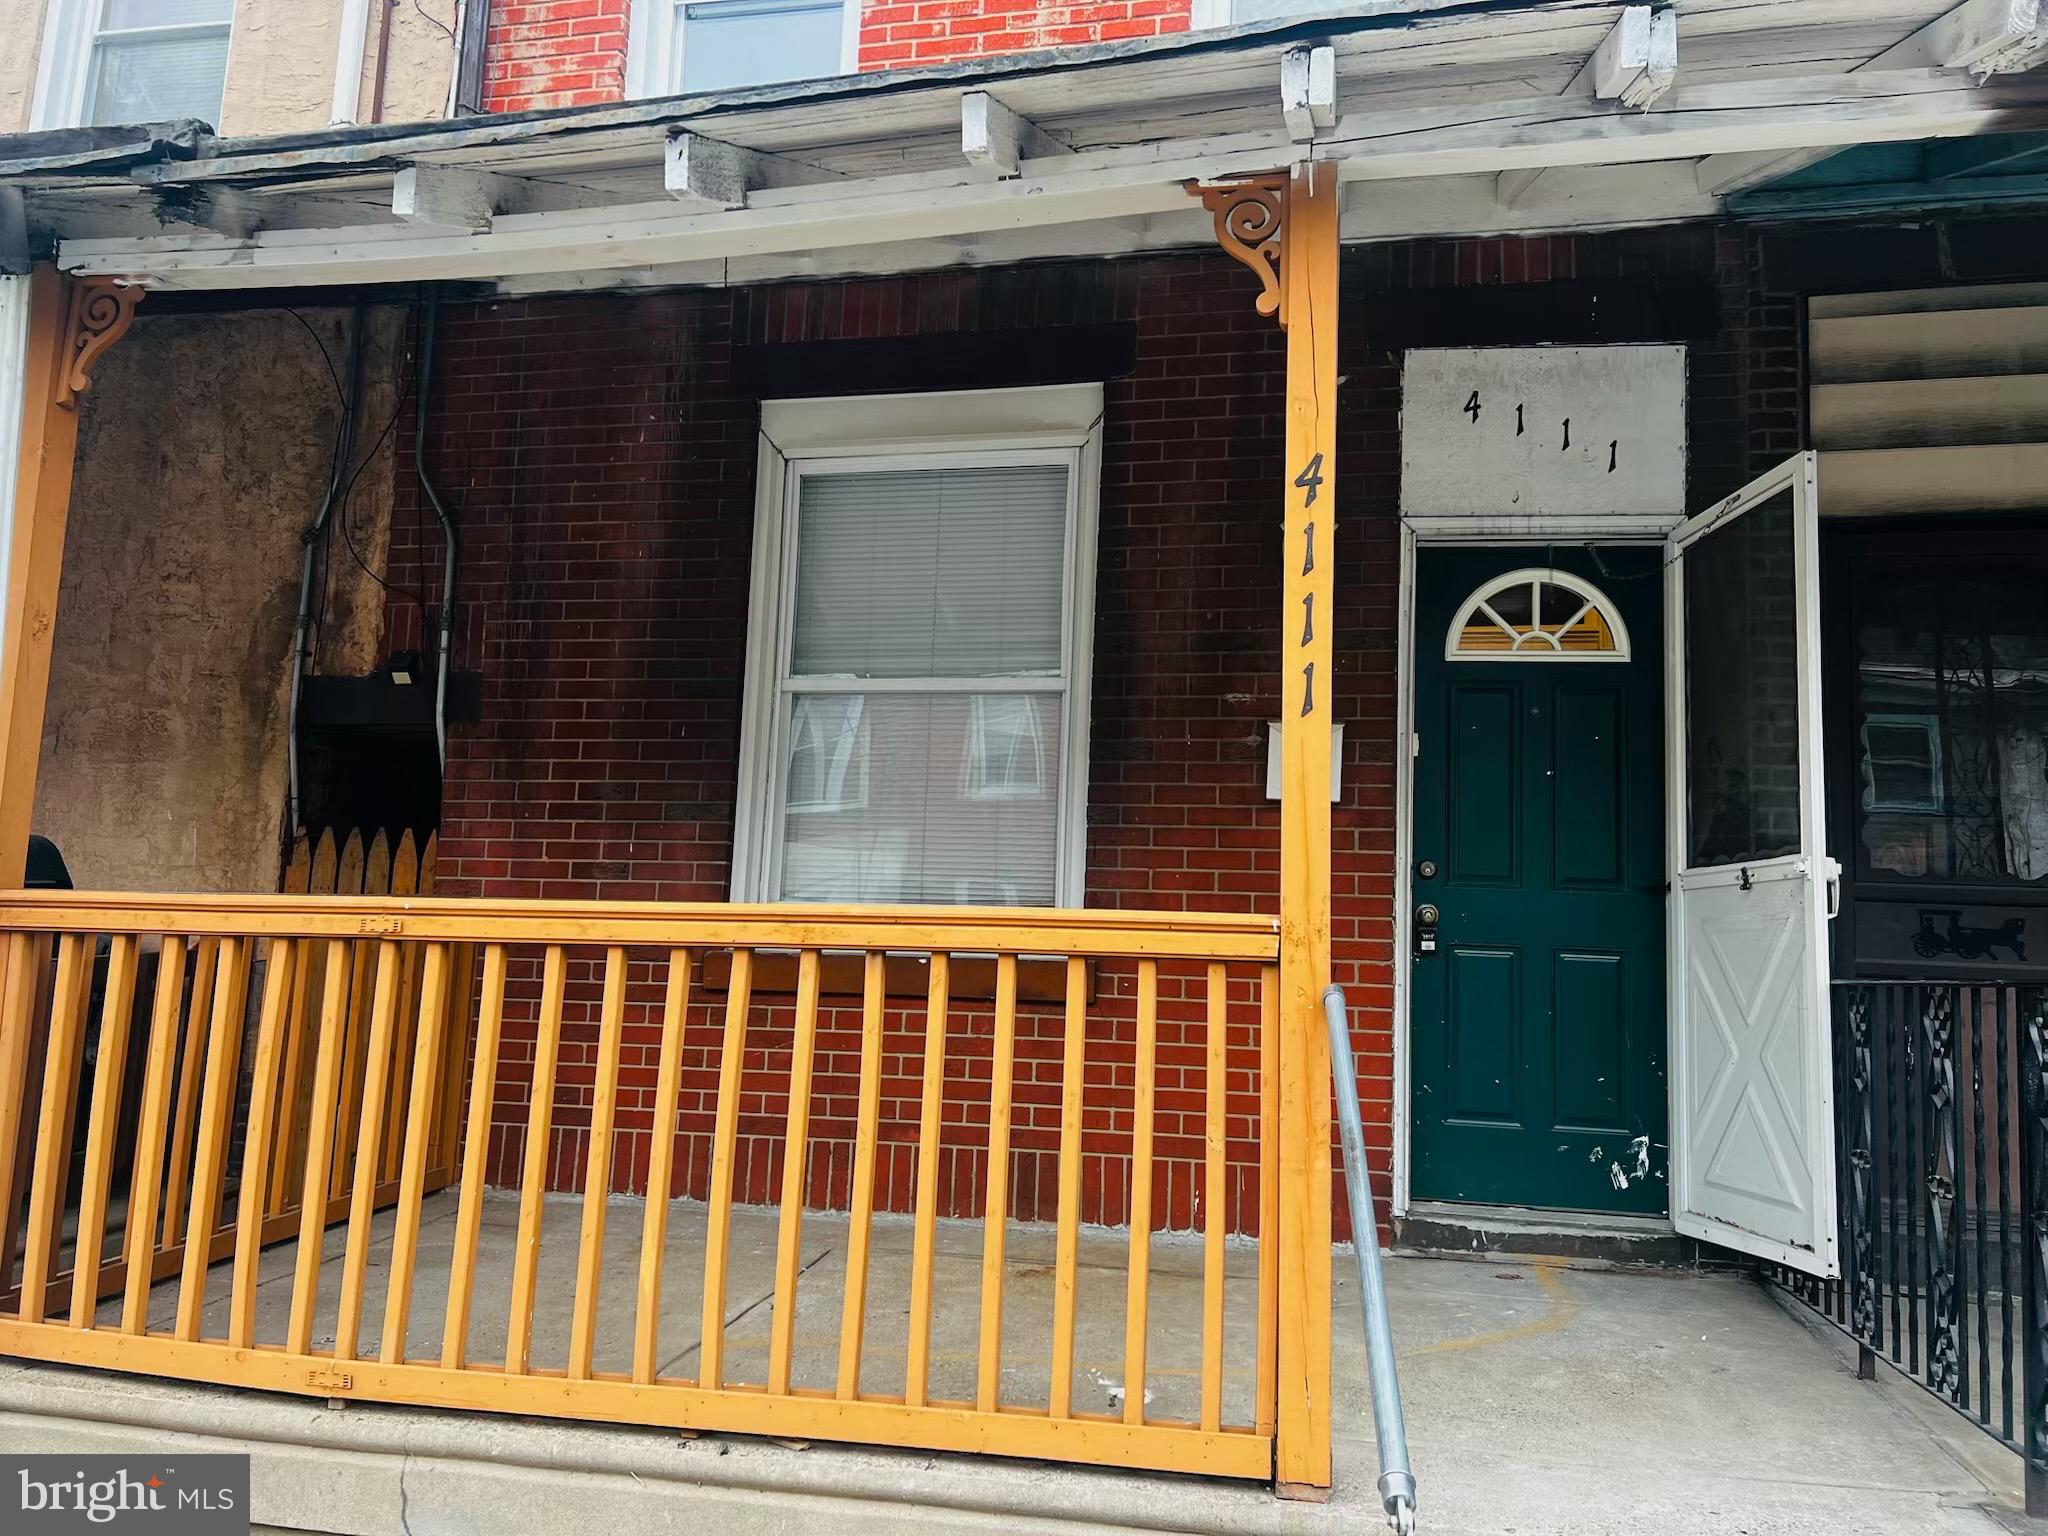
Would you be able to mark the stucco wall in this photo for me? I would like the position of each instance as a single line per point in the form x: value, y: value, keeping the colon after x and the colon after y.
x: 21, y: 43
x: 203, y: 451
x: 281, y: 64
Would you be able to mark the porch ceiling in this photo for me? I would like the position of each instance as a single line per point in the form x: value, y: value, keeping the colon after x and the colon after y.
x: 1466, y: 116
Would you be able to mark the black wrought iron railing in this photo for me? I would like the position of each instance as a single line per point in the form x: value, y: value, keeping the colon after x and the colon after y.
x: 1941, y: 1157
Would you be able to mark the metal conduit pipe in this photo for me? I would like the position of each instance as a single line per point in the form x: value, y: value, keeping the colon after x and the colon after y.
x: 430, y: 322
x: 1397, y: 1480
x: 302, y: 631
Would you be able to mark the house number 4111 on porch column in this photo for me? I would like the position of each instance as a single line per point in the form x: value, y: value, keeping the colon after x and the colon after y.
x: 1310, y: 480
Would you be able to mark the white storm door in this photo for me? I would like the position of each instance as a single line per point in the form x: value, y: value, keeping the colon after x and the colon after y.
x: 1752, y: 1136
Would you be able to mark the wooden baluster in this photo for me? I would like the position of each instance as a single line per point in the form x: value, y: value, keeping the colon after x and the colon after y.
x: 366, y: 872
x: 661, y: 1158
x: 355, y: 1257
x: 405, y: 869
x: 789, y: 1239
x: 42, y: 951
x: 298, y: 1011
x: 1137, y: 1295
x: 53, y: 1138
x: 1266, y: 1412
x: 17, y: 1027
x: 145, y: 1183
x: 1067, y: 1245
x: 854, y: 1306
x: 412, y: 1166
x: 469, y: 1209
x: 931, y: 1120
x: 996, y: 1208
x: 1215, y: 1207
x: 191, y: 1073
x: 287, y: 1162
x: 117, y: 1013
x: 597, y: 1171
x: 724, y: 1132
x: 533, y: 1183
x: 455, y: 1056
x: 313, y: 1188
x: 347, y: 1124
x: 279, y: 982
x: 216, y: 1114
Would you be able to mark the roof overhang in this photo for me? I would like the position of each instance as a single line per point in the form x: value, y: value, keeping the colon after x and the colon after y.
x: 1444, y: 117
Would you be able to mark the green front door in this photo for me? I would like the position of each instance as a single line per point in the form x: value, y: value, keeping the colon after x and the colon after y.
x: 1538, y: 1018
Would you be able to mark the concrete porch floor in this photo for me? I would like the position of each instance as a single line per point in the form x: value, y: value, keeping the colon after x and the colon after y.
x: 1541, y: 1398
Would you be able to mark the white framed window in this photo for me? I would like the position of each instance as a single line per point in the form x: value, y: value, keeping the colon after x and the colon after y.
x: 132, y: 61
x: 915, y: 728
x: 676, y: 47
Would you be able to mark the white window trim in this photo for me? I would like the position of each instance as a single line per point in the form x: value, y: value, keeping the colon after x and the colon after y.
x: 1205, y: 14
x: 1591, y: 596
x: 1053, y: 423
x: 651, y: 43
x: 65, y: 64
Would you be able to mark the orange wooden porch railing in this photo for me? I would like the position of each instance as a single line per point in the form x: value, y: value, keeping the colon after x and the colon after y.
x: 301, y: 1062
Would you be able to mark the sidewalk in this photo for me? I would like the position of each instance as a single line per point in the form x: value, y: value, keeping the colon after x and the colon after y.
x: 1541, y: 1399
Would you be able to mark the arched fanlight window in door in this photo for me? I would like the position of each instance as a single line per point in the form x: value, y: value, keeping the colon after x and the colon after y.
x: 1537, y: 615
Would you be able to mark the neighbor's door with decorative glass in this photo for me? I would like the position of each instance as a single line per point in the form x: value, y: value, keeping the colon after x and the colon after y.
x: 1752, y: 1129
x: 1537, y: 1022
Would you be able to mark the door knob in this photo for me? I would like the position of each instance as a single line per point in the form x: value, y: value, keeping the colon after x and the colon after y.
x: 1426, y: 919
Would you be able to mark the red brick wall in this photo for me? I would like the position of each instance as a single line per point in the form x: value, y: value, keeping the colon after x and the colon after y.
x: 895, y: 33
x: 561, y: 53
x: 554, y: 53
x: 602, y: 461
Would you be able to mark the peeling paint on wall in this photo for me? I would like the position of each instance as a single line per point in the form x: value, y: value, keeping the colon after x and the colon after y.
x: 204, y: 448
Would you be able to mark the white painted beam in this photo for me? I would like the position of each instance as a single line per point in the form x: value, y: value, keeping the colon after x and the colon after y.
x: 1761, y: 114
x: 443, y: 197
x: 1308, y: 91
x: 1580, y: 198
x: 451, y: 197
x: 1515, y: 188
x: 1986, y: 37
x: 709, y: 174
x: 1636, y: 62
x: 1720, y: 175
x: 997, y: 141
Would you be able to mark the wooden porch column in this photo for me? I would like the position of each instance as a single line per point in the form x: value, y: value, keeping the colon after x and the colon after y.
x: 69, y: 325
x: 1285, y: 229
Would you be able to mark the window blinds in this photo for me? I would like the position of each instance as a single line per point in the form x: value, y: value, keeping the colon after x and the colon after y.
x: 902, y: 781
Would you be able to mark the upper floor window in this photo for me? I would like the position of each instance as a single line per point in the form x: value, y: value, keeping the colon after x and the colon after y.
x: 710, y: 45
x: 132, y: 61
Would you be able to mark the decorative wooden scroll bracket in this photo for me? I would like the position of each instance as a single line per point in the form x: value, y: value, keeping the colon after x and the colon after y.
x: 99, y: 316
x: 1251, y: 221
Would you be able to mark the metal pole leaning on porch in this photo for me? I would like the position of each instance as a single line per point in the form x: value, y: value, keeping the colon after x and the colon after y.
x: 1397, y: 1481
